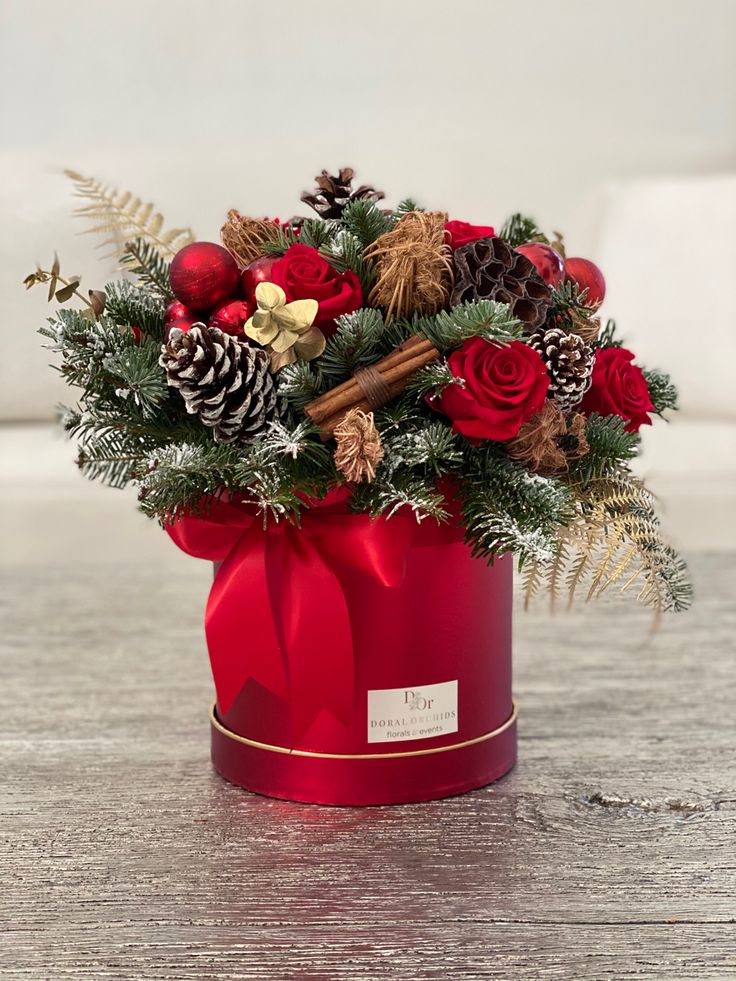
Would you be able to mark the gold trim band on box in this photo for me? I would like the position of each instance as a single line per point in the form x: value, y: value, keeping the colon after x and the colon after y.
x: 360, y: 756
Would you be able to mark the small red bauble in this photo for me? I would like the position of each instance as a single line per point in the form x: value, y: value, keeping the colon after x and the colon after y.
x: 230, y: 316
x: 548, y: 262
x: 136, y: 333
x: 174, y: 310
x: 183, y: 324
x: 258, y: 271
x: 202, y: 274
x: 586, y: 275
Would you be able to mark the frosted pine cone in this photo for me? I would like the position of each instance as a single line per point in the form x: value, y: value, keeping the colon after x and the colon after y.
x: 222, y: 380
x: 569, y: 362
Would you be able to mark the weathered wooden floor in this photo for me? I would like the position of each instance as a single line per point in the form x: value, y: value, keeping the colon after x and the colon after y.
x: 608, y: 853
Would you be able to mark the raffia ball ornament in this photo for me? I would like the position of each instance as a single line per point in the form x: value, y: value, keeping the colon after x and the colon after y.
x: 549, y: 441
x: 359, y: 449
x: 245, y: 237
x: 286, y: 329
x: 413, y: 265
x: 489, y: 269
x: 223, y: 381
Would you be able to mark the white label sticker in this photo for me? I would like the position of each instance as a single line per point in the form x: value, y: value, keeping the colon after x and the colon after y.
x: 396, y: 714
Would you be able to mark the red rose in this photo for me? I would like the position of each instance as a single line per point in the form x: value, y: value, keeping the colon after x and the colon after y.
x: 503, y: 387
x: 303, y: 274
x: 460, y: 233
x: 619, y: 388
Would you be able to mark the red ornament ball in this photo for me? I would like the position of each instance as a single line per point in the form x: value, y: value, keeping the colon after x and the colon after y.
x: 174, y: 310
x: 202, y: 274
x: 230, y: 316
x: 183, y: 324
x: 258, y: 271
x: 136, y: 331
x: 588, y: 276
x: 548, y: 262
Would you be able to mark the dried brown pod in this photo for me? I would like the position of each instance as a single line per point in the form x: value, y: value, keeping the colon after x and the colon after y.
x: 489, y: 269
x: 413, y: 265
x: 359, y: 449
x: 245, y: 237
x: 549, y: 441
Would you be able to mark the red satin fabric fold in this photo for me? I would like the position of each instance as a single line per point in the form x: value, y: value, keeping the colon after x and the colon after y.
x: 276, y: 586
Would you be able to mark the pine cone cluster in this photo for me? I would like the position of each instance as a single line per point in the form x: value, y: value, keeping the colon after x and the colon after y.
x: 569, y: 362
x: 489, y: 269
x: 332, y: 194
x: 222, y: 380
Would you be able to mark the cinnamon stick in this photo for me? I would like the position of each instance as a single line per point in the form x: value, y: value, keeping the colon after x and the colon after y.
x: 396, y: 369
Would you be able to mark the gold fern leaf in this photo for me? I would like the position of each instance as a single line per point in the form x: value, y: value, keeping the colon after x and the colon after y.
x: 121, y: 216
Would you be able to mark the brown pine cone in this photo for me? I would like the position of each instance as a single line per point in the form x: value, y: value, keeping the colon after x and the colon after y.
x: 224, y: 381
x: 569, y: 362
x: 489, y: 269
x: 332, y: 194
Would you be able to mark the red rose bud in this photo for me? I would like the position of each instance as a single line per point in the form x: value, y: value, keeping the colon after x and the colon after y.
x: 303, y: 274
x: 230, y: 316
x: 202, y: 274
x: 461, y: 232
x: 547, y: 261
x: 586, y: 275
x: 258, y: 271
x: 618, y: 388
x: 174, y: 310
x: 502, y: 387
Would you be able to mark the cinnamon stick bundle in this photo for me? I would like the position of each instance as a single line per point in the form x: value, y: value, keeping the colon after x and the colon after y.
x: 372, y: 387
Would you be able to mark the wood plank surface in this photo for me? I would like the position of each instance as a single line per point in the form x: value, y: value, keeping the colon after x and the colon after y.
x: 608, y: 853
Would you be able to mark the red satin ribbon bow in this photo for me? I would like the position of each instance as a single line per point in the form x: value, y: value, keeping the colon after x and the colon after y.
x: 277, y: 597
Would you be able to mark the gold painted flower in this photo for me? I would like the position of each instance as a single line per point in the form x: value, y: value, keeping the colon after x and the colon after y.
x: 286, y: 329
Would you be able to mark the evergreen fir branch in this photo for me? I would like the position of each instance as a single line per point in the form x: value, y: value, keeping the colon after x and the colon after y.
x: 404, y: 207
x: 185, y: 476
x: 345, y: 252
x: 285, y: 236
x: 430, y: 444
x: 506, y: 508
x: 138, y: 377
x: 520, y: 229
x: 354, y: 343
x: 570, y: 304
x: 131, y: 306
x: 111, y: 456
x: 316, y: 232
x: 404, y: 490
x: 122, y: 215
x: 432, y: 379
x: 366, y: 221
x: 484, y: 318
x: 662, y: 391
x: 300, y: 382
x: 607, y: 337
x: 151, y: 268
x: 610, y: 446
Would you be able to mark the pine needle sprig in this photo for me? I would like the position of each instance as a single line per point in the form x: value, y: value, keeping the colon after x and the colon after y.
x: 366, y: 221
x: 130, y: 307
x: 662, y: 391
x: 520, y: 229
x: 121, y: 216
x: 344, y: 252
x: 484, y: 318
x: 354, y: 343
x: 300, y: 383
x: 610, y: 446
x: 144, y: 261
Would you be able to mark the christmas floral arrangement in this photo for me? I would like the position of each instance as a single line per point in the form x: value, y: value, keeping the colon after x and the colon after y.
x: 406, y: 362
